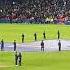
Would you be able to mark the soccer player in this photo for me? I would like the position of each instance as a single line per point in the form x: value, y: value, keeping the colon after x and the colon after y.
x: 16, y: 58
x: 19, y: 58
x: 59, y: 45
x: 2, y: 45
x: 42, y: 46
x: 35, y: 35
x: 44, y: 35
x: 22, y: 38
x: 14, y: 45
x: 58, y: 34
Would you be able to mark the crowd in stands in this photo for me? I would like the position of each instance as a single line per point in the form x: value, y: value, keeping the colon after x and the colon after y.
x: 35, y: 10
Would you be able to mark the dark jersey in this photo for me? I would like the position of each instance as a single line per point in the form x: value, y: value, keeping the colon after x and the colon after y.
x: 42, y: 44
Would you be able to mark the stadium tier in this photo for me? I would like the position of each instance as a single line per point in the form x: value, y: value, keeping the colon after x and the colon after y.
x: 40, y: 11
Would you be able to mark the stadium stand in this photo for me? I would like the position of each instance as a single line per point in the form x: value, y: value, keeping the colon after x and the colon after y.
x: 43, y: 11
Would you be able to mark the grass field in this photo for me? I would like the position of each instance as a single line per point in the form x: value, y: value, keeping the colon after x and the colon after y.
x: 36, y: 61
x: 10, y: 32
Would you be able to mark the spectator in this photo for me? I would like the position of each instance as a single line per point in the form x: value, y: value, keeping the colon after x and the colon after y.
x: 33, y: 8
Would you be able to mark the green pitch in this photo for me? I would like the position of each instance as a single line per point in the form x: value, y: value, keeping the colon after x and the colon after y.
x: 36, y: 61
x: 10, y: 32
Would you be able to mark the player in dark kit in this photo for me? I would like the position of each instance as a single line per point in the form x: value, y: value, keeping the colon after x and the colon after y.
x: 44, y: 35
x: 42, y: 46
x: 16, y: 58
x: 2, y: 45
x: 14, y: 45
x: 59, y: 44
x: 58, y: 34
x: 35, y: 35
x: 19, y: 59
x: 22, y: 38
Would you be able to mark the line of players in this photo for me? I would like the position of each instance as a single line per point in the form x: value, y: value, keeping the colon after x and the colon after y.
x: 35, y: 35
